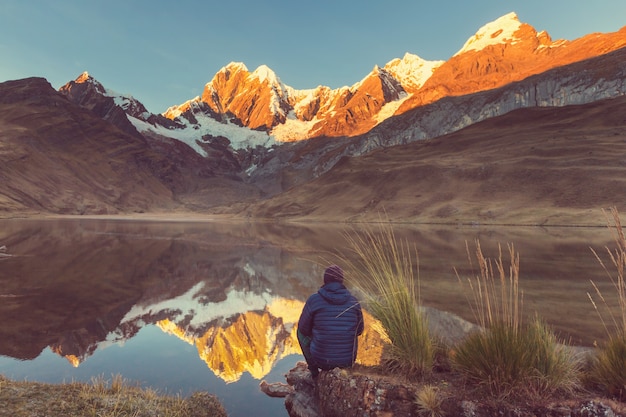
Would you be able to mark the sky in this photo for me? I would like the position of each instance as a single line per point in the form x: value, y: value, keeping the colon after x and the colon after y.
x: 164, y: 52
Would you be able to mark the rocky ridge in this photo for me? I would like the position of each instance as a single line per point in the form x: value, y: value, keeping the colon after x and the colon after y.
x: 363, y: 393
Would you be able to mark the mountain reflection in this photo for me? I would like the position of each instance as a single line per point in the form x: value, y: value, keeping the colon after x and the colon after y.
x: 79, y: 286
x: 235, y: 291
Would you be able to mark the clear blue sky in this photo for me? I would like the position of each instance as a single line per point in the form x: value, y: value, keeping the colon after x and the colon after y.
x: 164, y: 52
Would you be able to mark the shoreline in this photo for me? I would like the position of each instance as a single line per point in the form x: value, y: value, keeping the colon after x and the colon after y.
x: 190, y: 217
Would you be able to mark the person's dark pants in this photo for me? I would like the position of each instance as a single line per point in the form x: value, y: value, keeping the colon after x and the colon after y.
x: 305, y: 345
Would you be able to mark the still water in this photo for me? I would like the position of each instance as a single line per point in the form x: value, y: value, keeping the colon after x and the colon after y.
x: 188, y: 306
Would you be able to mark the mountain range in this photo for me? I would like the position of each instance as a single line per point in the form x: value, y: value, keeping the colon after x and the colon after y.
x: 514, y: 128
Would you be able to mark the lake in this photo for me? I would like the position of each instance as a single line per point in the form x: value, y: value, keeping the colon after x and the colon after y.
x: 183, y: 306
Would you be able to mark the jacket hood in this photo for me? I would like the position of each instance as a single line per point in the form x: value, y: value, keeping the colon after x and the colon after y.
x: 335, y: 293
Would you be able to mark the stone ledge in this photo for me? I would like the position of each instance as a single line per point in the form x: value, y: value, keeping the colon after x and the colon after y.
x: 344, y: 393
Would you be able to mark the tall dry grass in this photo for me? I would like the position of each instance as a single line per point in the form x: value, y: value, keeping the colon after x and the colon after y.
x: 385, y: 271
x: 510, y: 358
x: 609, y: 366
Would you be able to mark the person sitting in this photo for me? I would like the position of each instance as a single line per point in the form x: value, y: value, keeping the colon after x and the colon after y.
x: 330, y: 324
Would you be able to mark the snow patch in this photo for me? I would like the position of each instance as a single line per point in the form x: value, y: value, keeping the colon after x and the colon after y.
x: 189, y: 305
x: 264, y: 73
x: 191, y: 134
x: 411, y: 70
x: 293, y: 129
x: 389, y: 109
x: 499, y: 31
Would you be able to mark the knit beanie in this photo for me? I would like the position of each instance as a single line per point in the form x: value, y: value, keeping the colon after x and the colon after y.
x: 333, y: 274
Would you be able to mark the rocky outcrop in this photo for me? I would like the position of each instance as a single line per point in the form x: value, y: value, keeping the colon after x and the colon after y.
x: 341, y: 393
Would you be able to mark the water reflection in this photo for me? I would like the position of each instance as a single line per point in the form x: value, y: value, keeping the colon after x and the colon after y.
x: 234, y: 291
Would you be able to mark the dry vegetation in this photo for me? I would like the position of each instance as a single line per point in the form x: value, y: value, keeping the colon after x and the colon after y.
x: 101, y: 398
x: 512, y: 362
x: 609, y: 367
x: 383, y: 272
x: 512, y: 358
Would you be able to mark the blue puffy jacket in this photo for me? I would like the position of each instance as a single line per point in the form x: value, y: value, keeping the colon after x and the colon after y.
x: 333, y: 319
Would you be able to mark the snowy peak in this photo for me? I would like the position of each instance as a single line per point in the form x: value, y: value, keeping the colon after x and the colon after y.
x: 86, y: 88
x: 412, y: 71
x: 257, y: 100
x: 264, y: 74
x: 255, y: 107
x: 500, y: 31
x: 88, y: 80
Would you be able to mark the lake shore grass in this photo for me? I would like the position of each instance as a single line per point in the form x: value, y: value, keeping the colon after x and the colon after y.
x: 101, y: 398
x: 383, y: 274
x: 609, y: 367
x: 510, y: 357
x: 508, y: 360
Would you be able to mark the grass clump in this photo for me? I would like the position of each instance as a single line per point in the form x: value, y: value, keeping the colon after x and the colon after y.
x: 608, y: 369
x: 429, y: 402
x: 382, y: 268
x: 510, y: 358
x: 100, y: 399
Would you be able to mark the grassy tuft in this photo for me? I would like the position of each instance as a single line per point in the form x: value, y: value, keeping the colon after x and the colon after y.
x: 429, y: 401
x: 382, y: 268
x: 25, y: 399
x: 609, y: 367
x: 510, y: 358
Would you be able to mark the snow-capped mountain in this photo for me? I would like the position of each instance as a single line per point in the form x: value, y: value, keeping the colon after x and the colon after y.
x: 246, y: 137
x: 255, y: 108
x: 504, y: 51
x: 504, y: 30
x: 260, y: 101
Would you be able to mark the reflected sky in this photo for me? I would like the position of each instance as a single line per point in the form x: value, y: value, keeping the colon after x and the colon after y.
x: 182, y: 306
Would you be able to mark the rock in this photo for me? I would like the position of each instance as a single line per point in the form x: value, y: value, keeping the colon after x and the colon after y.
x: 275, y: 389
x: 349, y: 393
x: 341, y: 393
x: 302, y: 402
x: 345, y: 394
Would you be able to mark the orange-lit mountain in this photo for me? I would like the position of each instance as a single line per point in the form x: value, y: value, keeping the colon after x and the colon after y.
x: 259, y: 100
x: 501, y: 52
x: 505, y: 51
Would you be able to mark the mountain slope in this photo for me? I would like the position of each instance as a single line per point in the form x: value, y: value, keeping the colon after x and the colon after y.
x: 505, y: 51
x: 531, y: 166
x: 219, y: 152
x: 58, y: 157
x: 583, y: 82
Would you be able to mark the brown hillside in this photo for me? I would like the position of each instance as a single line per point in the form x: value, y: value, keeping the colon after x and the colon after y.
x: 57, y: 157
x: 533, y: 166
